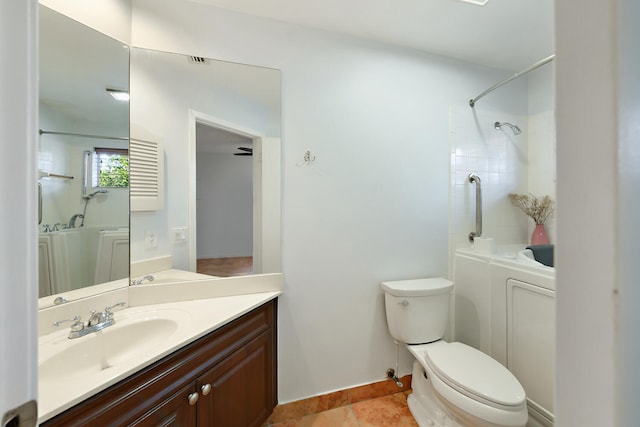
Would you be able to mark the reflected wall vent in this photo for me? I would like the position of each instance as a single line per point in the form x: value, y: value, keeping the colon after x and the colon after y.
x: 198, y: 60
x: 146, y: 176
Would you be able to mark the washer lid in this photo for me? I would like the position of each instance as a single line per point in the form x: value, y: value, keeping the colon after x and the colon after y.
x: 418, y: 287
x: 475, y: 374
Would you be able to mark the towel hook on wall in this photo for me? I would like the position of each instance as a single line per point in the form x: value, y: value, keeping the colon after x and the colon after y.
x: 307, y: 159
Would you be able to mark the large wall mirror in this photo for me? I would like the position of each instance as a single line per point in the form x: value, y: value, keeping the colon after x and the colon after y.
x: 218, y: 128
x: 218, y: 124
x: 83, y: 146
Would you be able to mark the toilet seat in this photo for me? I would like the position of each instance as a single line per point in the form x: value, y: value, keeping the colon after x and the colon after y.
x: 473, y: 382
x: 474, y: 374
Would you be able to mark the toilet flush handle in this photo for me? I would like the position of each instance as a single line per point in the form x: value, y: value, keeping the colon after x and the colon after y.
x: 404, y: 303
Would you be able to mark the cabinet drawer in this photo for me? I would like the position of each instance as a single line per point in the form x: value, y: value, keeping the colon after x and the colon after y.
x: 173, y: 412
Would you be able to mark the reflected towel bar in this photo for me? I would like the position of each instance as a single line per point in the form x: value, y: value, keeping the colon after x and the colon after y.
x: 54, y: 175
x: 48, y: 132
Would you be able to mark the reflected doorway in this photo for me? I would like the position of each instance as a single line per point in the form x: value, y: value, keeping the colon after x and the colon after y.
x: 224, y: 201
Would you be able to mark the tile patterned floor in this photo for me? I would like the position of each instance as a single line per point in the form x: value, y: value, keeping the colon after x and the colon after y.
x: 379, y: 404
x: 385, y: 411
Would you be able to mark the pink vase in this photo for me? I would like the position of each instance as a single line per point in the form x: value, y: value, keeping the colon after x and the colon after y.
x: 539, y: 236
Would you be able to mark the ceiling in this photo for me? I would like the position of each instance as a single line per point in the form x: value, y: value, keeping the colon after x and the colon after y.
x: 214, y: 140
x: 505, y: 34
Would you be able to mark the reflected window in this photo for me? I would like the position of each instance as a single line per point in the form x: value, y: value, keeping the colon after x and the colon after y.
x: 111, y: 168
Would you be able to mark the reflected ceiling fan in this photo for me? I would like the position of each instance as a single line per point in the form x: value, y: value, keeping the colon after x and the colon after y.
x: 245, y: 151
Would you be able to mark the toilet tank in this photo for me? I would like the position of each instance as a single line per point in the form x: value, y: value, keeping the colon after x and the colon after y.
x: 417, y: 310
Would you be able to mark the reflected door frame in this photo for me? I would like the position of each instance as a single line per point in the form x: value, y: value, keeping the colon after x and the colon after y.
x: 199, y: 117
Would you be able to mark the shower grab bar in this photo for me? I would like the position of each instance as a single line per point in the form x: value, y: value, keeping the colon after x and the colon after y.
x: 472, y: 102
x: 39, y: 203
x: 475, y: 178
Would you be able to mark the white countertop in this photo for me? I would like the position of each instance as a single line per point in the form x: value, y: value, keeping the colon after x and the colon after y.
x: 209, y: 306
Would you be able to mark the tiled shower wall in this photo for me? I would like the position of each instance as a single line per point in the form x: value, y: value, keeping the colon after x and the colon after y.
x: 542, y: 159
x: 505, y: 163
x: 500, y: 159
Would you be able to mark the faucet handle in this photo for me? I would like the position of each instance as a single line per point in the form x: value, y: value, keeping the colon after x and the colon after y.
x: 60, y: 322
x: 77, y: 324
x: 60, y: 300
x: 109, y: 309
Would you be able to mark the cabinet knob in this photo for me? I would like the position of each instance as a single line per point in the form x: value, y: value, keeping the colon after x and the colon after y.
x: 193, y: 398
x: 205, y: 389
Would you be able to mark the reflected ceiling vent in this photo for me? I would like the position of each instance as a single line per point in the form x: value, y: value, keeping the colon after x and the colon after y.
x: 198, y: 60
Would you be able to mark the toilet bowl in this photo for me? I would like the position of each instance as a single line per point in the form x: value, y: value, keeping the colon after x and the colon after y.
x: 453, y: 384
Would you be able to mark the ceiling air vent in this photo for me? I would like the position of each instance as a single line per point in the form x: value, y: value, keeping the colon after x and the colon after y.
x: 198, y: 60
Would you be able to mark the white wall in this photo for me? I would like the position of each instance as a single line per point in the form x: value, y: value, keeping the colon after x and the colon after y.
x: 372, y: 206
x: 629, y: 176
x: 588, y: 250
x: 18, y: 256
x: 225, y: 205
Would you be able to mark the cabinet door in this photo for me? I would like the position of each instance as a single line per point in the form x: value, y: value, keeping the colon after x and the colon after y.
x: 242, y: 388
x: 177, y: 411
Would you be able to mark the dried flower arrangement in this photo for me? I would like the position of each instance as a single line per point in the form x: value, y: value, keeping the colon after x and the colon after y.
x: 537, y: 208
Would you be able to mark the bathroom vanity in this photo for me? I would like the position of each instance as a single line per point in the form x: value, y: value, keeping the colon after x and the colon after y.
x: 227, y: 377
x: 199, y: 352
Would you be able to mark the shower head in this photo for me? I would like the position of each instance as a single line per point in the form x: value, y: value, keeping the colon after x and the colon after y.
x: 92, y: 195
x: 515, y: 129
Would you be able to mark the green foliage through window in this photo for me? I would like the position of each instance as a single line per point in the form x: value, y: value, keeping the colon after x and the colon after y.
x: 113, y: 169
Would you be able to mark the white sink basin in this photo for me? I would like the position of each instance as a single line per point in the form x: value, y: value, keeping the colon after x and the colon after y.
x: 135, y: 334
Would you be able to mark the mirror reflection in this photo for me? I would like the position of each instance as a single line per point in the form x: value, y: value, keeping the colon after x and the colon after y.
x: 83, y: 189
x: 218, y: 126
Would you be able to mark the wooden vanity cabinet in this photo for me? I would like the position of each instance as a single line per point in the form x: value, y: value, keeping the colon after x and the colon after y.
x: 224, y: 379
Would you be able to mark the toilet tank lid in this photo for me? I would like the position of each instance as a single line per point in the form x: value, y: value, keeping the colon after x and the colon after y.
x: 418, y: 287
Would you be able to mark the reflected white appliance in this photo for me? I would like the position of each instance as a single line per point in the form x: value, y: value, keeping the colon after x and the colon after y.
x: 453, y: 384
x: 45, y: 266
x: 112, y: 262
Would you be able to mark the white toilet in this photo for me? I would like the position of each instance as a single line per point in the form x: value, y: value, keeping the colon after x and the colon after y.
x: 453, y: 384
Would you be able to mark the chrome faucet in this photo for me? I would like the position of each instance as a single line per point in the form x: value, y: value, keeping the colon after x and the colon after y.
x: 148, y: 277
x: 98, y: 321
x: 72, y: 221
